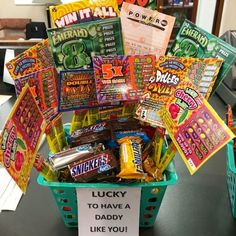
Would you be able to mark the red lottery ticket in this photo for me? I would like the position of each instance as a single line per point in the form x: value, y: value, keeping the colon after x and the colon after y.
x: 195, y: 128
x: 20, y: 138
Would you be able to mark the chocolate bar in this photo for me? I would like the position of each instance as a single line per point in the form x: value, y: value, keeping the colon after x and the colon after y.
x: 86, y: 169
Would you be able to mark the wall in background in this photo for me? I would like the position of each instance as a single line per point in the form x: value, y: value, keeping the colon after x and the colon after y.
x: 205, y: 14
x: 8, y: 9
x: 228, y: 17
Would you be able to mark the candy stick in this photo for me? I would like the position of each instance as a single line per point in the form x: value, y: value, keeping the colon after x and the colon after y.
x: 93, y: 116
x: 158, y: 143
x: 229, y: 116
x: 59, y: 130
x: 168, y: 156
x: 52, y: 138
x: 77, y: 120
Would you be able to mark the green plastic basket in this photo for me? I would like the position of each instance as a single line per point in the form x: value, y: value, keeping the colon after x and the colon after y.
x: 231, y: 176
x: 150, y: 202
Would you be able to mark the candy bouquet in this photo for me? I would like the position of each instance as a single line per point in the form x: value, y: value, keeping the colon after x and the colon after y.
x: 134, y: 104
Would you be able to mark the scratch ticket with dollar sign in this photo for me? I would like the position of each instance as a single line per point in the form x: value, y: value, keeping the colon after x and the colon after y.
x: 192, y: 41
x: 194, y: 127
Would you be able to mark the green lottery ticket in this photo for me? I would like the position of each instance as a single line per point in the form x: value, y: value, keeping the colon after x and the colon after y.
x: 192, y: 41
x: 74, y: 46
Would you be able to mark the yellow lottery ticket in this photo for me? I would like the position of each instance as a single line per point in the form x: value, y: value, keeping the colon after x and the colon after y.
x: 82, y: 11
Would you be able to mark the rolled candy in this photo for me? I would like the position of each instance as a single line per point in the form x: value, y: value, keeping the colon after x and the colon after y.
x: 158, y: 140
x: 62, y: 159
x: 87, y: 169
x: 130, y: 158
x: 78, y: 119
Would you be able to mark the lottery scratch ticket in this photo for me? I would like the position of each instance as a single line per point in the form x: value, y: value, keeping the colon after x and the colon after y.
x: 74, y: 46
x: 192, y: 41
x: 169, y: 72
x: 33, y: 59
x: 43, y: 84
x: 20, y: 138
x: 82, y: 11
x: 122, y: 78
x: 145, y: 31
x: 193, y: 125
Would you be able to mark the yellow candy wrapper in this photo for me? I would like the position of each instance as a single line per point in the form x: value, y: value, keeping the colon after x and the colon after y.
x: 158, y: 141
x: 52, y: 138
x: 78, y: 120
x: 82, y: 11
x: 130, y: 158
x: 150, y: 167
x: 59, y: 130
x: 167, y: 158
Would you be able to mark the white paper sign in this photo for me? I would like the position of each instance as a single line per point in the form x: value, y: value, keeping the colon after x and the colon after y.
x: 108, y: 211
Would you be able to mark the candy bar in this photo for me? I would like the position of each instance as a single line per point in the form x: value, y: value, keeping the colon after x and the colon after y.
x: 130, y: 158
x: 61, y: 159
x: 86, y: 169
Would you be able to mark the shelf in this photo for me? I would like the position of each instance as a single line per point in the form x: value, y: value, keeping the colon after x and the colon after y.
x: 17, y: 44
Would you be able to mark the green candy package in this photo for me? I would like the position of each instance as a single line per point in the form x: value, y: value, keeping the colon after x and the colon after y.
x: 192, y: 41
x: 74, y: 46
